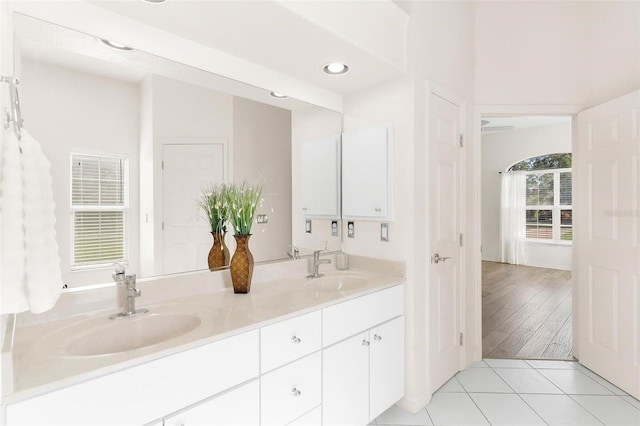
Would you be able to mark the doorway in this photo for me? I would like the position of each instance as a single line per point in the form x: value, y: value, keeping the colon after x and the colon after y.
x: 526, y: 238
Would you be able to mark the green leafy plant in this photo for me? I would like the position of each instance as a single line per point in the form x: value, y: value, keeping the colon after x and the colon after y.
x: 214, y: 204
x: 243, y: 201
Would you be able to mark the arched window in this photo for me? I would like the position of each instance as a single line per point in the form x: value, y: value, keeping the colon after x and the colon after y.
x: 549, y: 209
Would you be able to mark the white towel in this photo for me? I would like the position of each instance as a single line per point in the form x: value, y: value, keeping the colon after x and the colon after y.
x: 30, y: 275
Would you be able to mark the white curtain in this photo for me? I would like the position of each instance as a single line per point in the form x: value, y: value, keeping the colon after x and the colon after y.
x: 513, y: 218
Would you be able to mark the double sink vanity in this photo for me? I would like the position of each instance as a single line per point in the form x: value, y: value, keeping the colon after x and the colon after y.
x: 295, y: 350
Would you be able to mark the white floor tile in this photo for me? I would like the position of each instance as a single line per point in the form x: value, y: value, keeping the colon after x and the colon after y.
x: 610, y: 410
x: 574, y: 382
x: 631, y: 400
x: 506, y: 409
x: 527, y: 381
x: 453, y: 385
x: 553, y: 364
x: 614, y: 389
x: 507, y: 363
x: 479, y: 364
x: 397, y: 416
x: 454, y: 409
x: 560, y: 410
x: 482, y: 380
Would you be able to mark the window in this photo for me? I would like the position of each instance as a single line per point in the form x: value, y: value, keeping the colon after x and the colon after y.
x: 549, y: 210
x: 99, y: 210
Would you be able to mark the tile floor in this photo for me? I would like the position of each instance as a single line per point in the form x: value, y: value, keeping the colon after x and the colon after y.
x: 514, y: 392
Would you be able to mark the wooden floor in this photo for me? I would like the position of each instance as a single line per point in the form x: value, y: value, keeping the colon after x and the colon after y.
x: 526, y: 312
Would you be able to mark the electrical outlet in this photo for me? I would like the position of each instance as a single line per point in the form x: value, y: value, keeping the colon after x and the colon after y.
x: 384, y: 232
x: 307, y: 226
x: 351, y: 230
x: 262, y: 218
x: 334, y: 228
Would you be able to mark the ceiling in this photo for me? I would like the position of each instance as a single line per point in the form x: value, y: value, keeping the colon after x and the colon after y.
x: 293, y: 38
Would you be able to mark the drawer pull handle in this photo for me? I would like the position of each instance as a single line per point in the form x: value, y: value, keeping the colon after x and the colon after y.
x: 295, y: 392
x: 377, y: 338
x: 365, y: 342
x: 296, y: 340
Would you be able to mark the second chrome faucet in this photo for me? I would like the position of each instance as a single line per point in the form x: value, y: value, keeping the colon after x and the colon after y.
x: 316, y: 264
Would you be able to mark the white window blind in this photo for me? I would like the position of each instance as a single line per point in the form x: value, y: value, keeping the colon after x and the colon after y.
x: 99, y: 209
x: 549, y: 210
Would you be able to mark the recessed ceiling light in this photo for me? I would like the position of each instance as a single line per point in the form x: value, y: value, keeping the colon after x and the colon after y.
x: 155, y: 1
x: 335, y: 68
x: 115, y: 45
x: 278, y: 95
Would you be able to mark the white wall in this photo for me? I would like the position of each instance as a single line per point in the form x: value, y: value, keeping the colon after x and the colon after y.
x: 534, y: 52
x: 499, y: 152
x: 262, y: 153
x: 441, y: 51
x: 66, y: 110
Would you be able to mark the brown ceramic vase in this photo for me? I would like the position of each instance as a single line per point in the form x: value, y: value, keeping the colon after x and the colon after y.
x: 219, y: 253
x: 241, y: 266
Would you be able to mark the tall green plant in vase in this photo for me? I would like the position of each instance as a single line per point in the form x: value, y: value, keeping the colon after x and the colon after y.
x: 213, y: 203
x: 243, y: 201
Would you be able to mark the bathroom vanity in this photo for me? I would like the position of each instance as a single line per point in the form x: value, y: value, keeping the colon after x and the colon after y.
x: 326, y: 350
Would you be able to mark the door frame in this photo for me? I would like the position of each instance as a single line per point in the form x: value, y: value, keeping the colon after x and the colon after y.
x: 446, y: 94
x: 474, y: 283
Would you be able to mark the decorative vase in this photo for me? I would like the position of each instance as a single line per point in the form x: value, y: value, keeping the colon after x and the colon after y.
x: 219, y: 253
x: 241, y: 266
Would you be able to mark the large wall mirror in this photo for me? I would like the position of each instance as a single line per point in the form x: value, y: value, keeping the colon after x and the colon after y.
x: 134, y: 138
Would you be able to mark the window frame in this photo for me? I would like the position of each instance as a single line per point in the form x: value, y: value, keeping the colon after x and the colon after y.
x: 125, y: 208
x: 556, y: 208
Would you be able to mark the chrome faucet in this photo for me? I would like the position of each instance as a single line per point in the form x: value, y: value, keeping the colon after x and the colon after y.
x: 316, y: 263
x: 130, y: 293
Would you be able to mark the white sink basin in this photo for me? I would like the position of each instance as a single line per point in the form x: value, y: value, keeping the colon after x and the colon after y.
x: 336, y: 281
x: 101, y: 335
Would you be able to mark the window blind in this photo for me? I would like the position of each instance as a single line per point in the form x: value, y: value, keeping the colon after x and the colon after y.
x: 99, y: 207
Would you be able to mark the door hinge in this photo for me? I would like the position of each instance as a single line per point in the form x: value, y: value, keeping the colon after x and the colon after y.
x: 162, y: 225
x: 461, y: 339
x: 461, y: 140
x: 461, y: 240
x: 162, y: 165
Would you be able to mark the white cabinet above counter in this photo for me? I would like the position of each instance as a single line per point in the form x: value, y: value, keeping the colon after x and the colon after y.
x: 274, y: 365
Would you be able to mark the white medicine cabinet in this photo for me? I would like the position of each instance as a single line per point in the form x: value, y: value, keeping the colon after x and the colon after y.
x: 352, y: 171
x: 320, y: 164
x: 366, y: 173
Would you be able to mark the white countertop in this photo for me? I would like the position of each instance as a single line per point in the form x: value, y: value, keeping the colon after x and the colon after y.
x: 37, y: 370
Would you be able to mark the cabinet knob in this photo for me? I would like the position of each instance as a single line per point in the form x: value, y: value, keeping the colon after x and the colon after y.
x: 365, y: 342
x: 295, y: 340
x: 378, y: 209
x: 295, y: 392
x: 304, y: 209
x: 376, y: 337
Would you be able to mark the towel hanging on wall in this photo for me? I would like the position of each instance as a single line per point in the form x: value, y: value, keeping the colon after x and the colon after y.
x: 30, y: 277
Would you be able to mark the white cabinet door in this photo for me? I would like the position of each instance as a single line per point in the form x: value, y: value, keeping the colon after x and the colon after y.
x: 239, y: 407
x: 345, y: 387
x: 386, y: 359
x: 320, y: 177
x: 366, y: 173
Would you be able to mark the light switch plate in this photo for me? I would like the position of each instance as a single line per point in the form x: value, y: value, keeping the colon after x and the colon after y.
x: 334, y: 228
x: 384, y: 232
x: 351, y: 230
x: 307, y: 226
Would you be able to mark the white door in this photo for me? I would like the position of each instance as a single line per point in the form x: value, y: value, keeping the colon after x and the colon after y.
x: 607, y: 238
x: 187, y: 236
x: 444, y: 239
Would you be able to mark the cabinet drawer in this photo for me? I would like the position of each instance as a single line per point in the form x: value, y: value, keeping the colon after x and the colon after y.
x: 289, y: 340
x: 239, y: 407
x: 290, y: 391
x: 348, y: 318
x: 148, y: 391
